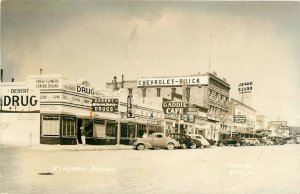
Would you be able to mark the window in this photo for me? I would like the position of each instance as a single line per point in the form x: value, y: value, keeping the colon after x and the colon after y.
x: 68, y: 125
x: 111, y: 130
x: 99, y: 128
x: 144, y: 92
x: 50, y: 125
x: 158, y: 92
x: 127, y: 131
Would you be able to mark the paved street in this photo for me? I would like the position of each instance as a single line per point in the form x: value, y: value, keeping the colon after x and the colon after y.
x: 272, y: 169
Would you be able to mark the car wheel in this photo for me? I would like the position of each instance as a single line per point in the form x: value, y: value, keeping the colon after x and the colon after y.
x: 248, y: 144
x: 202, y: 146
x: 183, y: 146
x: 256, y: 144
x: 140, y: 146
x: 194, y: 146
x: 170, y: 146
x: 221, y: 144
x: 238, y: 145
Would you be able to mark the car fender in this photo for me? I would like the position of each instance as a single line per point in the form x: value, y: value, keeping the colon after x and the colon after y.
x: 147, y: 144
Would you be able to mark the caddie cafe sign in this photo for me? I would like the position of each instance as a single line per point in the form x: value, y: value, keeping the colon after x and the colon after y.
x: 239, y: 118
x: 105, y: 105
x: 172, y: 81
x: 174, y: 109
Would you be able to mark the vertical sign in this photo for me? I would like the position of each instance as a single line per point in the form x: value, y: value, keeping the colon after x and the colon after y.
x: 129, y: 107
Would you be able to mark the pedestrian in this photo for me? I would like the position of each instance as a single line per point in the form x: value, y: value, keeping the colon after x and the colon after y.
x: 145, y: 135
x: 82, y: 135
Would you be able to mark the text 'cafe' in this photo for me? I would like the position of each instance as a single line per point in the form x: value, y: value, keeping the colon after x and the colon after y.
x: 50, y: 109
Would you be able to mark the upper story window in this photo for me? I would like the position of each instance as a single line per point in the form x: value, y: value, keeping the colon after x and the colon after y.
x: 158, y: 92
x: 144, y: 92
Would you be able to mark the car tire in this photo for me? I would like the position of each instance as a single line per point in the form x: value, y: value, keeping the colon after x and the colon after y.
x: 238, y: 145
x: 193, y: 146
x: 170, y: 146
x: 140, y: 146
x: 183, y: 146
x: 248, y: 144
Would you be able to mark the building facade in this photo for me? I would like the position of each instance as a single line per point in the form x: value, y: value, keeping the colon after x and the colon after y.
x: 205, y: 93
x: 63, y: 106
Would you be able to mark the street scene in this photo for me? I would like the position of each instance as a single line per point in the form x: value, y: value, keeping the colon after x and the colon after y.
x: 149, y: 97
x: 216, y: 170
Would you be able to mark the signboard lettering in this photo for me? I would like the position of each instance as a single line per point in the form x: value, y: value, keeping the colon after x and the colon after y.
x: 172, y: 81
x: 105, y: 105
x: 239, y: 118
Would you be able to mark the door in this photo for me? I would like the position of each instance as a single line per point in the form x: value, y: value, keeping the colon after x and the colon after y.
x: 158, y: 141
x: 79, y: 124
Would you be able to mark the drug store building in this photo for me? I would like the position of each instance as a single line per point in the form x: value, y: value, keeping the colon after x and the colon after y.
x: 63, y: 106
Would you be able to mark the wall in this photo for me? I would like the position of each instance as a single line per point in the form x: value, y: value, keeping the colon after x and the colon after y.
x: 20, y: 128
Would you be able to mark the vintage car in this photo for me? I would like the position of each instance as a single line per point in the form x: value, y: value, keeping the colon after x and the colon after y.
x: 204, y: 142
x: 155, y: 141
x: 184, y: 140
x: 264, y: 141
x: 234, y: 142
x: 254, y: 141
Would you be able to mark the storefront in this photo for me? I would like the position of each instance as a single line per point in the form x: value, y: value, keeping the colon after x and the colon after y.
x: 63, y: 106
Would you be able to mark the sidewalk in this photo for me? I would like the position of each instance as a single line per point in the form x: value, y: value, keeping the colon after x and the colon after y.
x: 80, y: 147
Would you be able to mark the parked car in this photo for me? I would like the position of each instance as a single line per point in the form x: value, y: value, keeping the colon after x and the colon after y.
x: 204, y: 142
x: 254, y: 141
x: 233, y: 142
x: 245, y: 141
x: 184, y: 140
x: 156, y: 140
x: 264, y: 141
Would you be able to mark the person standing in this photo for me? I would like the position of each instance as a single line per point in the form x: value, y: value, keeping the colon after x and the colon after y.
x: 82, y: 135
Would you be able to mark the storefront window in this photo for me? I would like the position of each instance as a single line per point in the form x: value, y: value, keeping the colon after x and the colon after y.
x: 111, y: 130
x: 127, y: 131
x: 68, y: 125
x: 50, y: 125
x: 99, y: 128
x: 141, y: 130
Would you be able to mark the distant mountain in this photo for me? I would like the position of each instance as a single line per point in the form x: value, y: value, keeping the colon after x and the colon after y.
x: 295, y: 129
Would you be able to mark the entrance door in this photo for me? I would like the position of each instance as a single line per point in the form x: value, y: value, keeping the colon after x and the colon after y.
x: 79, y: 124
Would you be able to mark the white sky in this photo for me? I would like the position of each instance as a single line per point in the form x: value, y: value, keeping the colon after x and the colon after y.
x: 251, y: 41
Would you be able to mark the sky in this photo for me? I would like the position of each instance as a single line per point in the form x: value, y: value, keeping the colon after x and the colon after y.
x: 96, y: 40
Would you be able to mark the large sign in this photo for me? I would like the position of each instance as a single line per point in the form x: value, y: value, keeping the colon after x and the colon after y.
x: 15, y: 97
x: 105, y: 105
x: 174, y: 109
x: 239, y: 119
x: 172, y: 81
x: 245, y: 87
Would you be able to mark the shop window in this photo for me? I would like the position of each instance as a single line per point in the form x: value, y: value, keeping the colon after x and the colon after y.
x: 127, y: 131
x: 99, y: 128
x: 68, y: 126
x: 141, y: 130
x: 50, y: 125
x: 111, y: 131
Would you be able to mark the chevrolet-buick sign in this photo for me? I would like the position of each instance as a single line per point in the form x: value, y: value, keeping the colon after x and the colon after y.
x: 172, y: 81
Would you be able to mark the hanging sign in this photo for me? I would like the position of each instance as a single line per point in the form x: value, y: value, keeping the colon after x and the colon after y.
x: 105, y: 105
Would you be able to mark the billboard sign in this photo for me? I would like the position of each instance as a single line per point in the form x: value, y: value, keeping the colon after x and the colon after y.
x: 174, y: 109
x: 172, y: 81
x: 105, y: 105
x: 245, y: 87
